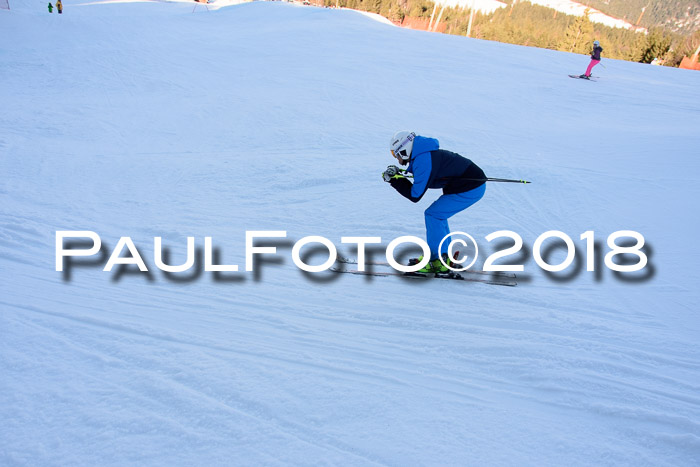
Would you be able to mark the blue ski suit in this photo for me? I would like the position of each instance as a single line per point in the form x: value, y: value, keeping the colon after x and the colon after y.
x: 463, y: 183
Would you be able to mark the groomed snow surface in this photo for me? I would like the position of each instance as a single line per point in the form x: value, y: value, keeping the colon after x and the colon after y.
x: 144, y: 120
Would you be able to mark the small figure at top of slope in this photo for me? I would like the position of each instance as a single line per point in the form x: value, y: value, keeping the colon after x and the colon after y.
x: 595, y: 59
x: 463, y: 183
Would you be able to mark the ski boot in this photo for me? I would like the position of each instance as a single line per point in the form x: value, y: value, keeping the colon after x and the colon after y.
x: 435, y: 267
x: 447, y: 261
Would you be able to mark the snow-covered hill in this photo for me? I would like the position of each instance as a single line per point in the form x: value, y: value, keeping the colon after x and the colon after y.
x: 579, y: 9
x: 568, y: 7
x: 145, y: 120
x: 484, y: 6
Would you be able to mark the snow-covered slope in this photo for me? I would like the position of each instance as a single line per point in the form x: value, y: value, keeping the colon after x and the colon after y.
x: 579, y: 9
x: 145, y: 120
x: 568, y: 7
x: 485, y: 6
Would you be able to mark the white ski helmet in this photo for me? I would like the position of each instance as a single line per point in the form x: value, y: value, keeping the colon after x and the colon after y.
x: 401, y: 144
x: 596, y: 43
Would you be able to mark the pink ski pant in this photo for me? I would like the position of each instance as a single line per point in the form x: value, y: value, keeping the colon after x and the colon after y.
x: 593, y: 63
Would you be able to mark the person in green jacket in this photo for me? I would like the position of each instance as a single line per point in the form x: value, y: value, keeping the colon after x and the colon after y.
x: 50, y: 8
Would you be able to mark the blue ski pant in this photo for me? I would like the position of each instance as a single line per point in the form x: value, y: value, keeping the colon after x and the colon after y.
x: 446, y: 206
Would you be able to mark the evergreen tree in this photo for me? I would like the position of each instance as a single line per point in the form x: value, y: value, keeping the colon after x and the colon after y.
x: 579, y: 34
x: 657, y: 45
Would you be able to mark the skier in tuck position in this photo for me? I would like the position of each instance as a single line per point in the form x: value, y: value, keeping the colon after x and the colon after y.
x: 595, y: 59
x: 463, y: 183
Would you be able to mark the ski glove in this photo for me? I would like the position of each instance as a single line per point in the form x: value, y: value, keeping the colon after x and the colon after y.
x: 390, y: 173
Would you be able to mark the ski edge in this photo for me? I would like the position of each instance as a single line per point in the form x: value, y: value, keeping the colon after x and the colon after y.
x: 497, y: 274
x: 495, y: 281
x: 592, y: 78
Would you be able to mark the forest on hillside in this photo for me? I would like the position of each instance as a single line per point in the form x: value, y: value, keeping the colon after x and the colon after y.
x: 523, y: 23
x: 676, y: 15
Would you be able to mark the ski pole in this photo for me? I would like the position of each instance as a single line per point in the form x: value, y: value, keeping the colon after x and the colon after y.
x: 505, y: 180
x: 487, y: 179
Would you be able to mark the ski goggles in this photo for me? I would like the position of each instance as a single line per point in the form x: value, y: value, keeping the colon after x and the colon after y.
x: 401, y: 153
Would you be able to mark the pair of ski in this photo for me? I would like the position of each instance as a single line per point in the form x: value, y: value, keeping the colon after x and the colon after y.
x: 493, y: 278
x: 590, y: 78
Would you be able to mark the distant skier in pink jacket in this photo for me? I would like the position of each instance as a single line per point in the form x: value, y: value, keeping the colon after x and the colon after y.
x: 595, y: 59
